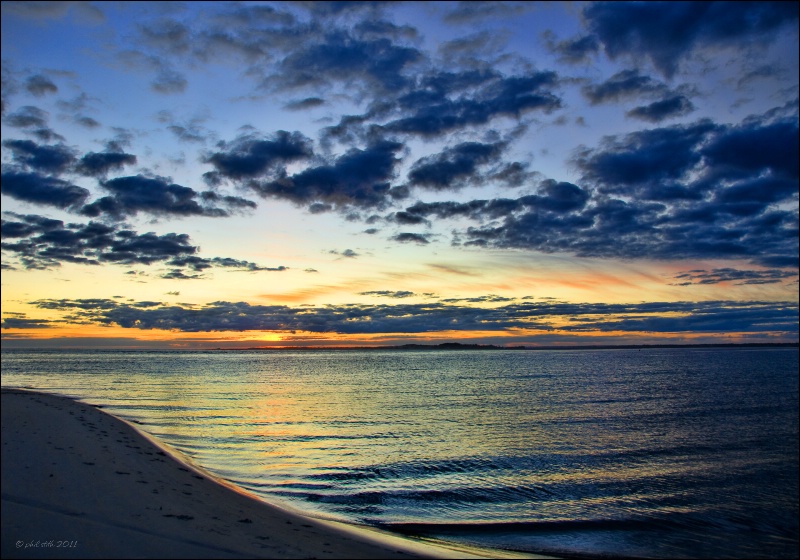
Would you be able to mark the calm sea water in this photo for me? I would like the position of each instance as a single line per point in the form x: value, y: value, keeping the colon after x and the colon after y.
x: 663, y: 453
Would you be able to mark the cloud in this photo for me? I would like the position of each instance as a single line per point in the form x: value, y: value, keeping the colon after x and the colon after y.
x: 454, y: 167
x: 168, y: 35
x: 85, y: 121
x: 96, y: 164
x: 469, y: 12
x: 340, y: 57
x: 335, y: 8
x: 303, y: 104
x: 726, y: 317
x: 552, y: 196
x: 406, y: 237
x: 39, y: 85
x: 574, y: 51
x: 154, y: 195
x: 673, y: 317
x: 753, y: 147
x: 491, y: 298
x: 232, y: 203
x: 476, y: 50
x: 25, y: 323
x: 59, y: 158
x: 440, y: 102
x: 27, y: 117
x: 700, y: 190
x: 169, y: 81
x: 408, y: 218
x: 658, y: 111
x: 46, y: 243
x: 348, y: 253
x: 86, y: 11
x: 248, y: 156
x: 622, y: 85
x: 49, y: 159
x: 431, y: 113
x: 736, y: 276
x: 198, y: 264
x: 649, y: 157
x: 42, y: 189
x: 29, y: 180
x: 178, y: 274
x: 615, y: 228
x: 34, y: 120
x: 359, y: 178
x: 667, y: 33
x: 386, y: 293
x: 41, y: 243
x: 239, y: 16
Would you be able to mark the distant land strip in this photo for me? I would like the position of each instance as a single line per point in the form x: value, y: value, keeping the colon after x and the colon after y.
x: 461, y: 346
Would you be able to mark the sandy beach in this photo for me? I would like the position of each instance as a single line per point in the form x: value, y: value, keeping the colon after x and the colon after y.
x: 80, y: 483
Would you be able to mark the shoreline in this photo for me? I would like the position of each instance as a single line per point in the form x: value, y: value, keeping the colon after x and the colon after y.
x: 79, y: 482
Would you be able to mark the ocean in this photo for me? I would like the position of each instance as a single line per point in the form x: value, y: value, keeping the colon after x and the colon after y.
x: 651, y: 453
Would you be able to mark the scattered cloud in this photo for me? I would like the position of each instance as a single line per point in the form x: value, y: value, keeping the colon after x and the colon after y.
x: 662, y: 317
x: 386, y: 293
x: 658, y: 111
x: 40, y: 243
x: 668, y: 33
x: 40, y: 85
x: 736, y: 276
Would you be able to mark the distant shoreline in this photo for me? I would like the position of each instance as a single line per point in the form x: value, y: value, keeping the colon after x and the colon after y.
x: 460, y: 346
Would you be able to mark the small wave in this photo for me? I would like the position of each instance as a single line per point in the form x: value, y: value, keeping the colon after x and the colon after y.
x: 530, y: 527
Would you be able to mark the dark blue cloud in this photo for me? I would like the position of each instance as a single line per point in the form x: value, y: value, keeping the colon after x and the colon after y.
x: 647, y: 157
x: 45, y: 243
x: 575, y: 51
x: 736, y: 276
x: 25, y: 323
x: 307, y: 103
x: 408, y: 218
x: 339, y: 56
x: 671, y: 107
x: 49, y: 159
x: 333, y: 8
x: 359, y: 178
x: 552, y: 197
x: 33, y: 120
x: 27, y: 117
x: 431, y: 113
x: 668, y: 32
x: 42, y: 189
x: 98, y: 164
x: 615, y: 228
x: 39, y: 85
x: 452, y: 168
x: 154, y: 195
x: 469, y: 12
x: 199, y: 264
x: 40, y: 243
x: 673, y: 317
x: 700, y: 190
x: 408, y: 237
x: 623, y: 85
x: 386, y: 293
x: 755, y: 147
x: 248, y: 156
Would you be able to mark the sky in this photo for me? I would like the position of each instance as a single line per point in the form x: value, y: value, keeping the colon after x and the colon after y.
x: 234, y: 175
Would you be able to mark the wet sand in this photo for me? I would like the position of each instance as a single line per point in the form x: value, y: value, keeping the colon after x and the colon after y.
x: 80, y: 483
